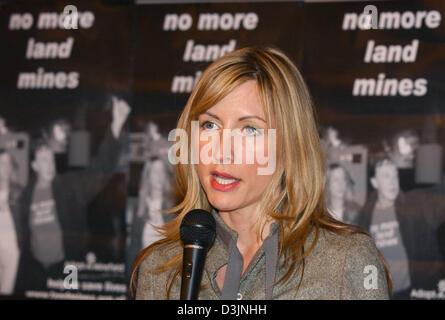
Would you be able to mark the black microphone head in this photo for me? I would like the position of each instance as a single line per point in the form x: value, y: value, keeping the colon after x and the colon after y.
x: 198, y: 227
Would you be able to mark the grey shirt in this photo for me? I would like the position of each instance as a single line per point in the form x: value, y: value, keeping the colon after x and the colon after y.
x: 386, y: 233
x: 46, y: 233
x: 336, y: 268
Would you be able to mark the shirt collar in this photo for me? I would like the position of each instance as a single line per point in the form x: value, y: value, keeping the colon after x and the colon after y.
x: 219, y: 254
x: 227, y: 234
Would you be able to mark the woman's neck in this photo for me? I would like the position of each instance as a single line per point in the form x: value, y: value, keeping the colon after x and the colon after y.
x: 243, y: 221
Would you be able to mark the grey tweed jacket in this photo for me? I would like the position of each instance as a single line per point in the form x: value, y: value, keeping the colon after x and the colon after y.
x: 338, y: 267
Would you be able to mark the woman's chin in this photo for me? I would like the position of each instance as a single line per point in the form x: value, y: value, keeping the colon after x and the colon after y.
x: 223, y: 203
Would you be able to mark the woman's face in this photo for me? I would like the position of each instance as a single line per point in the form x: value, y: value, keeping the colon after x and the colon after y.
x: 236, y: 185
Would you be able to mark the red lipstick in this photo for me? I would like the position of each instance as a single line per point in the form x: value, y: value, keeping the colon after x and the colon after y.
x: 223, y: 187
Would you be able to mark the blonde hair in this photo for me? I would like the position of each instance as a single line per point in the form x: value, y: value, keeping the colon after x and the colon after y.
x: 295, y: 196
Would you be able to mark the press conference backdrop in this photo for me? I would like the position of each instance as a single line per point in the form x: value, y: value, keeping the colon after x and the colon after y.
x: 100, y: 100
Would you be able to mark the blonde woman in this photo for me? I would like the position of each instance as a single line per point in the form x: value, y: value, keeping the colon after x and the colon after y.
x: 274, y: 237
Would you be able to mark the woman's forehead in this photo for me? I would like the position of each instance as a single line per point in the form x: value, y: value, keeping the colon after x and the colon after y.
x: 241, y: 103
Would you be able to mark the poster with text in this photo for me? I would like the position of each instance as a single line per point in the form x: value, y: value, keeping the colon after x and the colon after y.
x: 65, y: 103
x: 375, y: 71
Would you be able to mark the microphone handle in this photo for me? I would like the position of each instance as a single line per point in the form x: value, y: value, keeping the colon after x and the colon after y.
x: 192, y: 269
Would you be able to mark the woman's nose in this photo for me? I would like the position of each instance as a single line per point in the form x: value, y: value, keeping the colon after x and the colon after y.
x: 223, y: 153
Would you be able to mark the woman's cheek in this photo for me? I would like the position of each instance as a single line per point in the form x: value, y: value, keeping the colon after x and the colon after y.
x: 261, y: 151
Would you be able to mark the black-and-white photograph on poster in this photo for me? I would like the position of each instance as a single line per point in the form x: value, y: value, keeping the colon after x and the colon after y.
x: 151, y: 185
x: 90, y: 90
x: 381, y: 104
x: 63, y: 150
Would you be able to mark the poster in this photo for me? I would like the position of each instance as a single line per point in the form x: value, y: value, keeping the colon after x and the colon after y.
x: 380, y: 101
x: 65, y: 102
x: 87, y: 103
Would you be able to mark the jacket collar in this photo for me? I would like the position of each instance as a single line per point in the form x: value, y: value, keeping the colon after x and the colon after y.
x: 224, y: 251
x: 227, y: 234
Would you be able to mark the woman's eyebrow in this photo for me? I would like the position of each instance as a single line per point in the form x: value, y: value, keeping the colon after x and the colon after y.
x: 240, y: 119
x: 249, y: 117
x: 212, y: 115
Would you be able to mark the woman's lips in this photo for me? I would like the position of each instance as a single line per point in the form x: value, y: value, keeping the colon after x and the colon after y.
x: 223, y: 174
x: 223, y: 181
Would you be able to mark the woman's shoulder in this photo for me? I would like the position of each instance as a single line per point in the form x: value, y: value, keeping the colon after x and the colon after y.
x: 348, y: 248
x: 158, y: 256
x: 339, y: 242
x: 355, y: 260
x: 147, y: 274
x: 346, y: 241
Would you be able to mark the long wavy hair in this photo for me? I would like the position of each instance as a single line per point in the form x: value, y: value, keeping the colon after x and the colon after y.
x: 295, y: 196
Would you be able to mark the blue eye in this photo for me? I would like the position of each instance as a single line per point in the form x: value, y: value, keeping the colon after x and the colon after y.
x: 251, y: 131
x: 208, y: 125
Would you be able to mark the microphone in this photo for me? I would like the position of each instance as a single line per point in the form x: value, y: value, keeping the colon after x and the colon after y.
x: 197, y: 234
